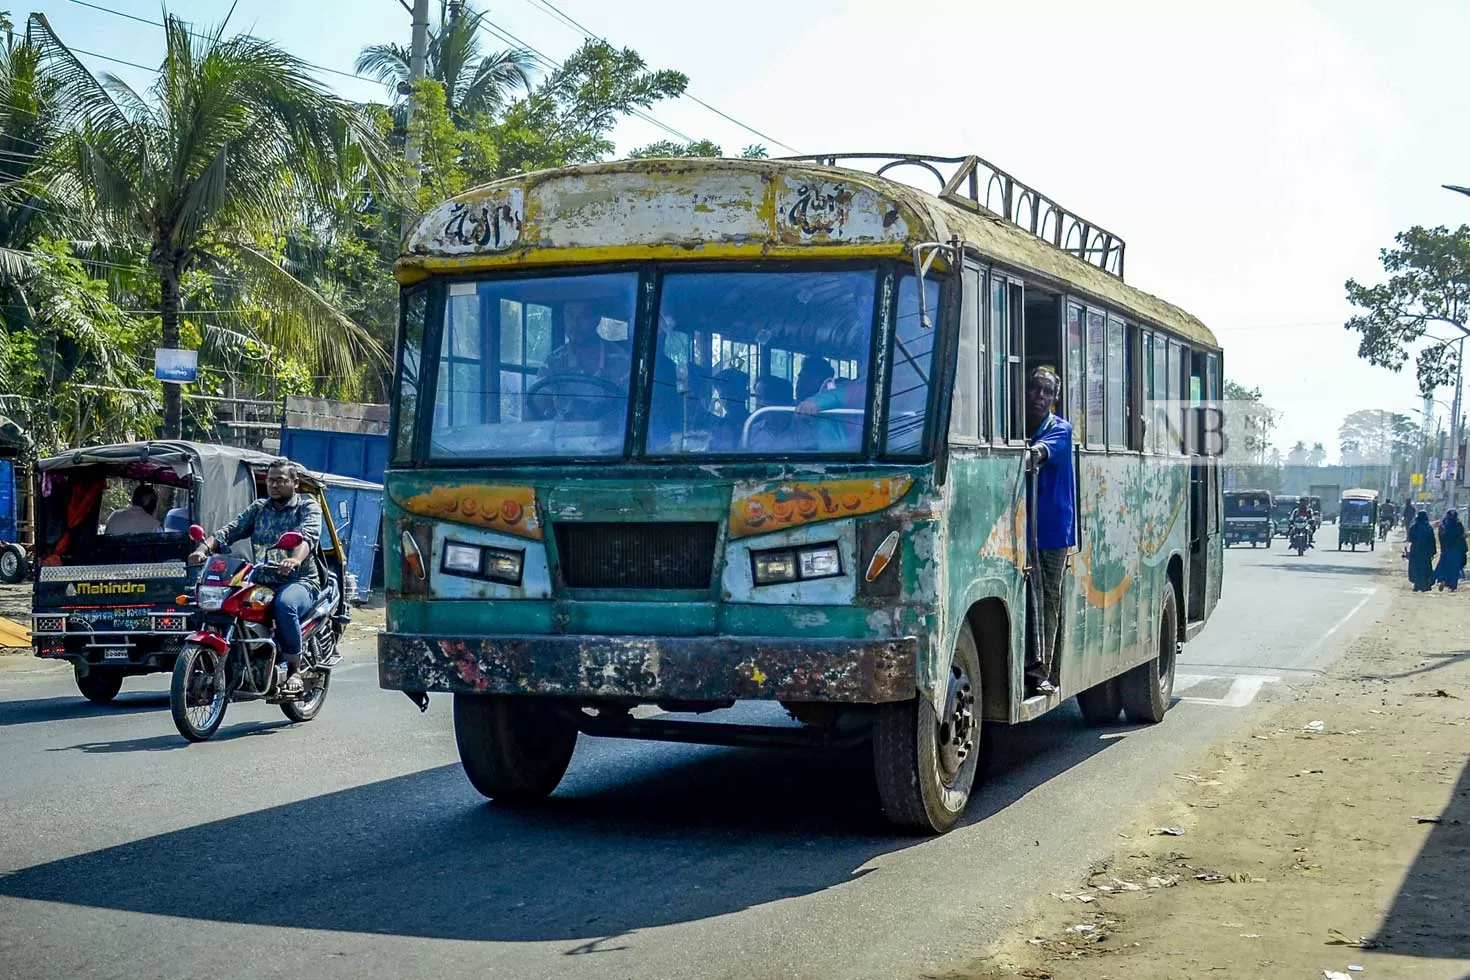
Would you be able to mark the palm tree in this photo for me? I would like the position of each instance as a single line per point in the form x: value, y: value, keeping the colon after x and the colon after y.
x: 30, y: 122
x: 217, y: 156
x: 473, y: 83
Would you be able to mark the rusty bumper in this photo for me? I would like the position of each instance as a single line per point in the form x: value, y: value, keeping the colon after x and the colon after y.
x: 680, y: 668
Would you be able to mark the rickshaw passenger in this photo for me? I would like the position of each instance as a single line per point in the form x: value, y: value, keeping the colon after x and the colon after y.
x: 138, y: 517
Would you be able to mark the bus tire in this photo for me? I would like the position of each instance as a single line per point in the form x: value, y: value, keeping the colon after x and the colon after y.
x: 513, y: 749
x: 1101, y: 703
x: 925, y: 757
x: 1148, y: 689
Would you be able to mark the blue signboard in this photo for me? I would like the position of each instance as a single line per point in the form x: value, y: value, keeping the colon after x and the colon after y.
x: 8, y: 528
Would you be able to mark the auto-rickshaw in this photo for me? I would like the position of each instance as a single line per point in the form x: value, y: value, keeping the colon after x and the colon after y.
x: 1357, y: 520
x: 1248, y: 517
x: 109, y: 573
x: 1282, y: 507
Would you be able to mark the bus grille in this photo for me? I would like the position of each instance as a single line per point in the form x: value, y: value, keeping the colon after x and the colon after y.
x: 637, y: 556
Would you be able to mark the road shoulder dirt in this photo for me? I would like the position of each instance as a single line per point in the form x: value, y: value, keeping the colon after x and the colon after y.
x: 1334, y: 834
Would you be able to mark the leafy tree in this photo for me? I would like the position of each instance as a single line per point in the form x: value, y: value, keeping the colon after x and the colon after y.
x: 474, y: 83
x: 73, y: 369
x: 1297, y: 455
x: 208, y: 165
x: 1428, y: 283
x: 1373, y: 437
x: 1317, y: 455
x: 700, y: 148
x: 567, y: 118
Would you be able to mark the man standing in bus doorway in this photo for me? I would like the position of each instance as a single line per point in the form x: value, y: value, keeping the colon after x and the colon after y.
x: 1049, y: 458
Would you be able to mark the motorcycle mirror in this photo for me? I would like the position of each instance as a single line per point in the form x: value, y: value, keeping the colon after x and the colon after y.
x: 196, y: 533
x: 290, y: 540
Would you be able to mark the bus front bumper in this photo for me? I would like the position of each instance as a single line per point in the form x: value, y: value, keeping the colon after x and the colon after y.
x: 664, y: 668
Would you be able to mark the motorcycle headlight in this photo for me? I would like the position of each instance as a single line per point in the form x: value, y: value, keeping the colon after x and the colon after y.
x: 212, y: 597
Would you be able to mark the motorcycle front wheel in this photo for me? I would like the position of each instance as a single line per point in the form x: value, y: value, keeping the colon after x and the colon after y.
x: 198, y: 697
x: 306, y: 709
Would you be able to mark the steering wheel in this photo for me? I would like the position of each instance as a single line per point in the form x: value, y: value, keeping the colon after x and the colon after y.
x: 568, y: 408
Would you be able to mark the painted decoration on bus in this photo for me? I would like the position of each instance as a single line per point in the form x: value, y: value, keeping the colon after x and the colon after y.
x: 758, y: 509
x: 510, y: 510
x: 1108, y: 545
x: 833, y: 211
x: 488, y: 222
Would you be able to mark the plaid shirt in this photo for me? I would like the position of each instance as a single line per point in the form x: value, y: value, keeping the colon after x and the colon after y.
x: 264, y: 521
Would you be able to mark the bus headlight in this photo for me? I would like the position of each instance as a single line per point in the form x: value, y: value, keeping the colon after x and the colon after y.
x: 462, y: 558
x: 796, y: 564
x: 496, y: 564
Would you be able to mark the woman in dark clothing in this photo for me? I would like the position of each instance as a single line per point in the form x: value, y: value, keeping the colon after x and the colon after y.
x: 1451, y: 552
x: 1421, y: 553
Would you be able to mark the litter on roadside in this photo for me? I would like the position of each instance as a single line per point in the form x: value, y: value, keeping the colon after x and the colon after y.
x: 1354, y: 968
x: 1315, y: 726
x: 1167, y: 832
x: 1211, y: 879
x: 1081, y: 929
x: 1336, y: 937
x: 1158, y: 882
x: 1334, y: 975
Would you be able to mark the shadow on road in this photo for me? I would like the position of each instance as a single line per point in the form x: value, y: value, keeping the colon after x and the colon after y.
x: 1429, y: 915
x: 1433, y: 662
x: 165, y: 743
x: 1306, y: 564
x: 37, y: 710
x: 638, y: 836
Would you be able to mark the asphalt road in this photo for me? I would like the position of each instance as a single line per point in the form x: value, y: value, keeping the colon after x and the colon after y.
x: 353, y: 847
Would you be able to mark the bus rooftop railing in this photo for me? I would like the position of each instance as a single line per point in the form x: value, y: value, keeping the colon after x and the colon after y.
x: 962, y: 178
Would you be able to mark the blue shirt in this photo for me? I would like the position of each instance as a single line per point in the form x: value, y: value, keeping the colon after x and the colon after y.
x: 264, y: 521
x: 1055, y: 497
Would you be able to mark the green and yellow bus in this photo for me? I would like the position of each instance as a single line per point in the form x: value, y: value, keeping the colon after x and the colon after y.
x: 669, y: 435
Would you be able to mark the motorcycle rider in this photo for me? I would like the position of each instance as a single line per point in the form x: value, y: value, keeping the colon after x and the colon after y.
x: 1303, y: 515
x: 263, y: 522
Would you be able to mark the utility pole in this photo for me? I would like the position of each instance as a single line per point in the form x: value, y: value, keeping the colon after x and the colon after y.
x: 417, y: 66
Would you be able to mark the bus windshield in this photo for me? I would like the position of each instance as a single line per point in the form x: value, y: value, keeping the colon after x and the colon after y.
x: 745, y: 363
x: 1246, y: 505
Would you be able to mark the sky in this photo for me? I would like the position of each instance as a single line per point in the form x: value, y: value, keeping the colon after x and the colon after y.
x: 1253, y: 158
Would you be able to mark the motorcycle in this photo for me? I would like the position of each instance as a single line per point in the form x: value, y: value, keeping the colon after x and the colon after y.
x: 233, y: 654
x: 1301, y: 537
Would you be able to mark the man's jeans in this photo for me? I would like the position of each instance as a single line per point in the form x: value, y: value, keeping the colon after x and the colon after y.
x: 293, y: 601
x: 1051, y: 563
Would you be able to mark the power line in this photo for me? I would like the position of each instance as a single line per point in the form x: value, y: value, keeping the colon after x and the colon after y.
x: 204, y: 37
x: 548, y: 7
x: 555, y: 65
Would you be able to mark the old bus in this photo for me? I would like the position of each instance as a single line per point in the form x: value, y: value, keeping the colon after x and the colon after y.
x: 609, y: 513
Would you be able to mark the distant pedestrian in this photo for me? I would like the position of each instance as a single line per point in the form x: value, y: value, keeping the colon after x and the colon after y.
x: 1451, y: 552
x: 1409, y: 510
x: 1421, y: 553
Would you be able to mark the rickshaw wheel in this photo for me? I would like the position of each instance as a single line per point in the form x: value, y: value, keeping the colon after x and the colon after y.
x: 99, y: 685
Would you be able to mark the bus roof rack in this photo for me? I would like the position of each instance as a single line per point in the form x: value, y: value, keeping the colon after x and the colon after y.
x: 960, y: 179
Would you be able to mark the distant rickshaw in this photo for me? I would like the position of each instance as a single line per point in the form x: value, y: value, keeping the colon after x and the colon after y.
x: 1357, y: 520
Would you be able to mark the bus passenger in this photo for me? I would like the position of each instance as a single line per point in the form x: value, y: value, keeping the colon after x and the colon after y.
x: 813, y: 377
x: 1049, y: 456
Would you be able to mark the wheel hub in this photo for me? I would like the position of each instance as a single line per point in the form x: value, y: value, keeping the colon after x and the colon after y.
x: 955, y: 726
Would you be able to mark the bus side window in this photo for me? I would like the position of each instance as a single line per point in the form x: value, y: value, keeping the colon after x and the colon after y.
x: 1076, y: 408
x: 1096, y: 380
x: 1161, y: 395
x: 1146, y: 364
x: 410, y: 355
x: 969, y: 386
x: 1000, y: 361
x: 1117, y: 384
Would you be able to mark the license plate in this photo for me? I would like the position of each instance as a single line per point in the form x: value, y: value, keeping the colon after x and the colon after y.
x: 115, y: 653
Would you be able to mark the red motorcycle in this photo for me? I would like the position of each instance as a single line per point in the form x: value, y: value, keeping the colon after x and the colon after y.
x: 233, y: 655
